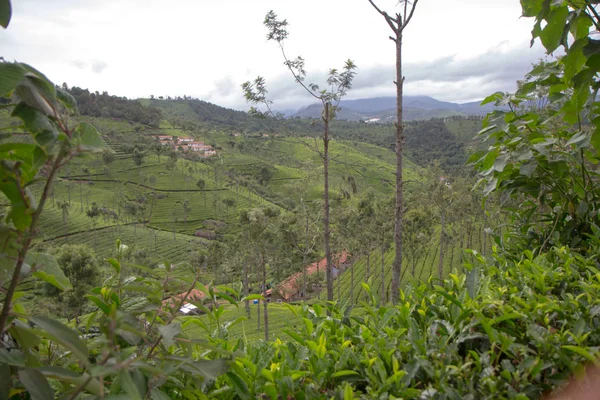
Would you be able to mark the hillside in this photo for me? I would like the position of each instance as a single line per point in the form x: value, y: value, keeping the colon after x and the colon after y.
x: 383, y: 109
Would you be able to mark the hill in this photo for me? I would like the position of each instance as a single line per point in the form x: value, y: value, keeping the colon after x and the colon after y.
x: 383, y: 109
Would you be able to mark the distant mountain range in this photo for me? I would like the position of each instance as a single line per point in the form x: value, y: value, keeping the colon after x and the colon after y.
x: 383, y: 109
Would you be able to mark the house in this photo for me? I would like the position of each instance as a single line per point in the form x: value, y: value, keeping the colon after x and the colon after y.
x: 185, y: 139
x: 162, y: 138
x: 187, y: 307
x: 291, y: 288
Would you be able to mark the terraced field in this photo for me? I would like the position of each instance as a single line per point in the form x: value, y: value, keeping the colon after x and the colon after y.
x: 158, y: 244
x: 426, y: 267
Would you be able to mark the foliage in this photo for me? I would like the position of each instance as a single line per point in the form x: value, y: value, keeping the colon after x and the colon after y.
x: 542, y: 159
x: 104, y: 105
x: 79, y: 264
x: 503, y: 330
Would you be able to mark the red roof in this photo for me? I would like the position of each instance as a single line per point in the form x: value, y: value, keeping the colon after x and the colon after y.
x: 292, y: 285
x: 194, y: 295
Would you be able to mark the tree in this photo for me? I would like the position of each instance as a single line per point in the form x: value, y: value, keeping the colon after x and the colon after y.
x: 417, y: 232
x: 64, y: 207
x: 383, y: 225
x: 186, y: 210
x: 201, y: 184
x: 138, y: 158
x: 259, y: 235
x: 398, y: 23
x: 79, y: 264
x: 158, y: 149
x: 264, y: 175
x: 338, y: 84
x: 108, y: 157
x: 228, y: 204
x: 93, y: 213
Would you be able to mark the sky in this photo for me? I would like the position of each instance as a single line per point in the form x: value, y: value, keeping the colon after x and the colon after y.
x: 454, y: 50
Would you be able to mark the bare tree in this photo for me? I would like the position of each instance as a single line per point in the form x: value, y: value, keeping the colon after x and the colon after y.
x: 398, y: 23
x: 338, y: 84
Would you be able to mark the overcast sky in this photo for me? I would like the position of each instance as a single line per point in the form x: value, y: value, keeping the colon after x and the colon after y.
x: 454, y: 50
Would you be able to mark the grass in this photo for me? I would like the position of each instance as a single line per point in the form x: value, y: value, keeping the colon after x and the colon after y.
x: 280, y: 317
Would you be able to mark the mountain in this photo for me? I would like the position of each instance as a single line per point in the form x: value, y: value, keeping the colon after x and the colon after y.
x: 383, y: 109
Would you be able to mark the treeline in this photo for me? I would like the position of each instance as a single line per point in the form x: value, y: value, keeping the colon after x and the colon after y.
x: 97, y: 104
x: 426, y: 141
x: 429, y: 141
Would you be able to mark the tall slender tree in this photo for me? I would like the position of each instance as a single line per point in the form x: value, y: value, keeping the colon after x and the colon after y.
x: 338, y: 83
x: 398, y: 23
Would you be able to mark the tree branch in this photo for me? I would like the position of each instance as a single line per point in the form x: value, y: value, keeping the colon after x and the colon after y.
x: 412, y: 11
x: 390, y: 21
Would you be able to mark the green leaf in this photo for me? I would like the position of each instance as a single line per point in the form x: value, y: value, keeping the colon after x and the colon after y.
x: 37, y: 93
x: 492, y: 98
x: 239, y: 385
x: 531, y: 8
x: 98, y: 302
x: 528, y: 169
x: 343, y: 373
x: 596, y: 134
x: 577, y: 138
x: 489, y: 159
x: 36, y: 384
x: 209, y: 369
x: 158, y: 395
x: 490, y: 187
x: 48, y: 270
x: 115, y: 264
x: 253, y: 297
x: 63, y: 335
x: 500, y: 162
x: 472, y: 282
x: 129, y: 386
x: 88, y: 137
x: 24, y: 335
x: 5, y: 14
x: 44, y: 130
x: 169, y: 332
x: 12, y: 357
x: 12, y: 74
x: 5, y: 381
x: 66, y: 99
x: 72, y: 377
x: 582, y: 352
x: 553, y: 33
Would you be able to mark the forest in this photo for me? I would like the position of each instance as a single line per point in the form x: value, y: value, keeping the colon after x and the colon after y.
x: 170, y: 248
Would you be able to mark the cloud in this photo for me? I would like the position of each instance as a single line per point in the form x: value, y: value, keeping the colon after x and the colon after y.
x: 449, y: 78
x: 98, y: 66
x: 79, y: 64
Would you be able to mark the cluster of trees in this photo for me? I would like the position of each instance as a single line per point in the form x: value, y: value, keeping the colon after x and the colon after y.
x: 431, y: 141
x: 104, y: 105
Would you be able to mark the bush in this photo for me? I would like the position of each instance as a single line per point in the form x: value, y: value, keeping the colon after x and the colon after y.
x: 502, y: 330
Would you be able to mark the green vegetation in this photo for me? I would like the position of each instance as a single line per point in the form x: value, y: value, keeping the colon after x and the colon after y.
x: 130, y: 270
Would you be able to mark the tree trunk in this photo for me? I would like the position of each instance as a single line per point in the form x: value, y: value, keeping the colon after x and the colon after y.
x: 326, y: 232
x: 246, y: 290
x: 352, y: 284
x: 383, y: 294
x: 441, y: 260
x: 264, y: 274
x: 397, y: 268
